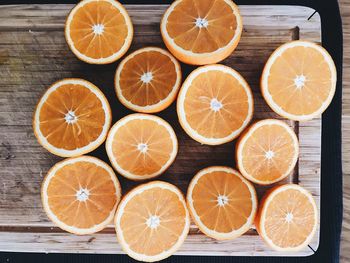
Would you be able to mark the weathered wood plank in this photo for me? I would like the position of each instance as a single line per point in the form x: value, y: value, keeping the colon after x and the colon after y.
x: 195, y: 244
x: 345, y: 237
x: 33, y: 54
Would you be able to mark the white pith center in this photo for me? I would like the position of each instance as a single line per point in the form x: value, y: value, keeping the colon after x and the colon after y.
x: 269, y: 154
x: 82, y: 194
x: 289, y: 217
x: 153, y: 222
x: 222, y: 200
x: 98, y: 29
x: 215, y: 105
x: 142, y: 147
x: 299, y: 81
x: 70, y: 117
x: 201, y: 22
x: 147, y: 77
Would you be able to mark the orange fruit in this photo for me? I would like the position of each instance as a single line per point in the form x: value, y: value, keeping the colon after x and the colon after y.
x: 80, y: 195
x: 267, y: 152
x: 201, y: 32
x: 221, y: 202
x: 214, y: 104
x: 72, y: 118
x: 152, y: 221
x: 148, y: 80
x: 287, y: 218
x: 298, y: 81
x: 141, y: 146
x: 98, y: 31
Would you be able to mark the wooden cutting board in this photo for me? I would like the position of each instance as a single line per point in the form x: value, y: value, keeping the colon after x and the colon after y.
x: 34, y: 54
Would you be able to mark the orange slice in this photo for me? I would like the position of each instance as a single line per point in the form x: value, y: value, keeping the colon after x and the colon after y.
x: 201, y: 32
x: 267, y: 152
x: 221, y: 202
x: 148, y: 80
x: 299, y: 80
x: 152, y: 221
x: 214, y: 104
x: 80, y: 195
x: 287, y: 218
x: 72, y: 118
x: 141, y: 146
x: 98, y: 31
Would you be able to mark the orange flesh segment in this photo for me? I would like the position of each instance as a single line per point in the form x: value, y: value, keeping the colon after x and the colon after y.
x: 293, y: 234
x: 139, y: 131
x: 65, y: 184
x: 268, y: 138
x: 225, y: 89
x: 98, y: 45
x: 232, y: 215
x: 159, y: 202
x: 219, y: 31
x: 141, y: 93
x: 87, y: 108
x: 294, y: 62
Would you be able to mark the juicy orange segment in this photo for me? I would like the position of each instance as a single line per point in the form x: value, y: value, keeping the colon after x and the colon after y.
x: 267, y: 152
x: 214, y: 104
x: 72, y: 118
x: 201, y: 32
x: 141, y: 146
x: 299, y: 80
x: 152, y: 221
x: 99, y: 31
x: 148, y: 80
x: 221, y: 202
x: 287, y: 218
x: 80, y: 195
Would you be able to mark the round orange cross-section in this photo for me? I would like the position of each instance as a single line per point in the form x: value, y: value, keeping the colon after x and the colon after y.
x: 72, y: 118
x: 201, y: 32
x: 215, y: 104
x: 141, y: 146
x: 81, y: 194
x: 148, y: 80
x: 152, y: 221
x: 299, y: 80
x: 99, y: 31
x: 267, y: 152
x: 221, y: 202
x: 288, y: 217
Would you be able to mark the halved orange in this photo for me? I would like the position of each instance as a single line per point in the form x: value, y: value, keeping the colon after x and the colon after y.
x: 72, y: 118
x: 221, y: 202
x: 98, y: 31
x: 267, y: 152
x: 201, y: 32
x: 214, y: 104
x: 148, y: 80
x: 141, y: 146
x: 287, y: 218
x: 152, y: 221
x: 80, y: 195
x: 299, y: 80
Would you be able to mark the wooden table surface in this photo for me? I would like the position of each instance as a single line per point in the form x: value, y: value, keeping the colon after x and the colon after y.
x: 345, y: 243
x: 23, y: 223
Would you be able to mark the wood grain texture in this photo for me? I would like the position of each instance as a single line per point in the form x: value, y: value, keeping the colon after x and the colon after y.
x: 33, y: 54
x: 345, y: 238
